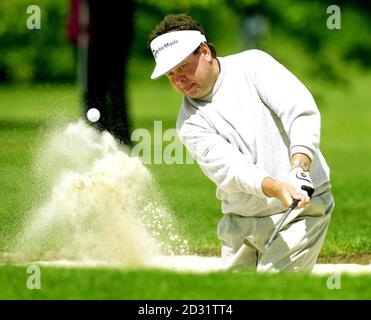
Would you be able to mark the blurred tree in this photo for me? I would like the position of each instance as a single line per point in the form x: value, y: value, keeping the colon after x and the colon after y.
x: 109, y: 30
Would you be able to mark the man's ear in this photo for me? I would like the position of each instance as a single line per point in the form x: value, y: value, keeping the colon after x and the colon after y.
x: 207, y: 52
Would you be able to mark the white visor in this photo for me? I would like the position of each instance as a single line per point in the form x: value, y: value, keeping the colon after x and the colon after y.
x: 172, y: 48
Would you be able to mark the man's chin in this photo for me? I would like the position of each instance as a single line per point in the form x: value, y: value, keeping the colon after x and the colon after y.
x: 194, y: 94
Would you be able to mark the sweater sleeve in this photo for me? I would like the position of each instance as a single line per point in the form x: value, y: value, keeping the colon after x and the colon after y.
x: 291, y: 101
x: 219, y: 160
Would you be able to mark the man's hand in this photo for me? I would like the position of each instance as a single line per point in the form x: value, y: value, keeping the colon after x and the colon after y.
x: 283, y: 191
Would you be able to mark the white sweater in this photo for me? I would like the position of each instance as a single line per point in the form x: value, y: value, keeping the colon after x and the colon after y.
x: 256, y: 117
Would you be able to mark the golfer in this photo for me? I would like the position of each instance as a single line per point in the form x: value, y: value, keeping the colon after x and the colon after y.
x: 254, y: 130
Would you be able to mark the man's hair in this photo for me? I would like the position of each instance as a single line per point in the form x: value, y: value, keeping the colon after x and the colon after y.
x: 178, y: 22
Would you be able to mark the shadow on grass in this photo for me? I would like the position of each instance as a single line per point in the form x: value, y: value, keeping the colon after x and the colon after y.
x: 21, y: 125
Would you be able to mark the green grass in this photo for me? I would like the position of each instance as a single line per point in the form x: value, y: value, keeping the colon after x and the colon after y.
x: 61, y: 283
x: 346, y: 119
x: 25, y: 114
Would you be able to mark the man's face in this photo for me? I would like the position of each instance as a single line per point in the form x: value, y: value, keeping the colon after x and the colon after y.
x: 196, y: 75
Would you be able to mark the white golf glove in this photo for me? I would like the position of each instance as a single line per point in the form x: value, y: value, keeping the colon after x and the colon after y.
x: 302, y: 182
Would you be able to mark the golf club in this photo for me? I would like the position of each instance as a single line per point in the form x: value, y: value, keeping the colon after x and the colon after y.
x: 279, y: 225
x: 293, y: 205
x: 250, y: 241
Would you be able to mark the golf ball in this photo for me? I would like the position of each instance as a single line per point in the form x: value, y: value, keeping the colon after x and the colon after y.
x: 93, y: 114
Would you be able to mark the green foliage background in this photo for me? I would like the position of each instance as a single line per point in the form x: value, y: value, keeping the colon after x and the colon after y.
x: 47, y: 55
x: 35, y: 55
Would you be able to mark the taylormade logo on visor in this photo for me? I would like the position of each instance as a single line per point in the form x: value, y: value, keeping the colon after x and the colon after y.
x: 178, y: 45
x: 169, y: 44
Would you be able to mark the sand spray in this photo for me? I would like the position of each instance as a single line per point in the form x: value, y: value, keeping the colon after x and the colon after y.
x: 99, y: 203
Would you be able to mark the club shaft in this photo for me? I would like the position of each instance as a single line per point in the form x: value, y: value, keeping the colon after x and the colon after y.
x: 279, y: 225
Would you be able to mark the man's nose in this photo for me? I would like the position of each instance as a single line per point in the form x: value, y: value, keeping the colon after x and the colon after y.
x: 180, y: 78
